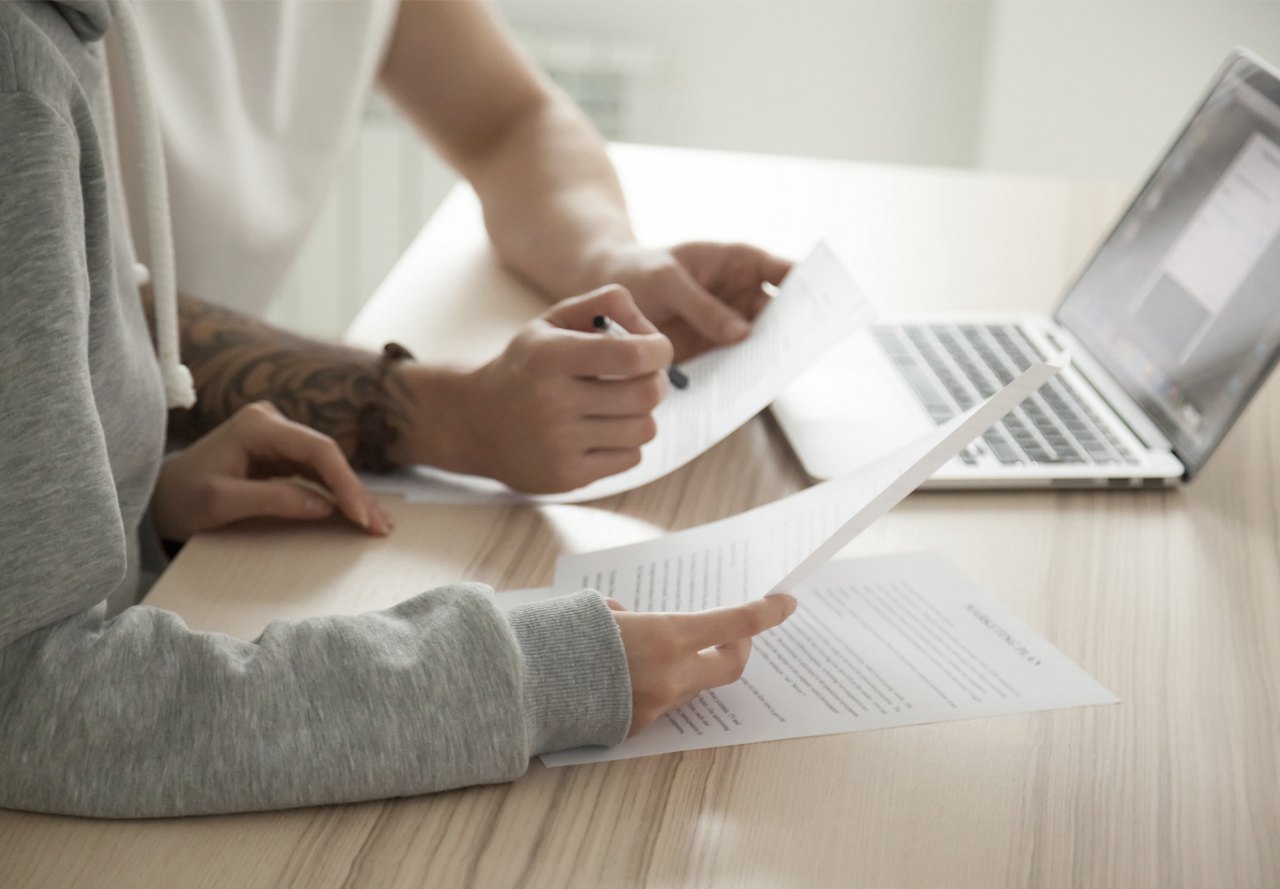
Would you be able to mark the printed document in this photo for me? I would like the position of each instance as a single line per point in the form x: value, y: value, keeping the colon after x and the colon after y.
x: 775, y: 546
x: 817, y: 306
x: 879, y: 642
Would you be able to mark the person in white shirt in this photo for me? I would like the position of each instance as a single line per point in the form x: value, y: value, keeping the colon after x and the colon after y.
x: 257, y: 102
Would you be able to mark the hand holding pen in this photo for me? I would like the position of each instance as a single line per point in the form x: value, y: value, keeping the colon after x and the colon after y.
x: 562, y: 405
x: 609, y: 327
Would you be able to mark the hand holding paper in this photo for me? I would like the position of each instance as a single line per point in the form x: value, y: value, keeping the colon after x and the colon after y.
x: 672, y: 658
x: 889, y: 641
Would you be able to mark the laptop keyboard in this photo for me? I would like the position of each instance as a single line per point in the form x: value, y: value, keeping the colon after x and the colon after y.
x: 953, y: 367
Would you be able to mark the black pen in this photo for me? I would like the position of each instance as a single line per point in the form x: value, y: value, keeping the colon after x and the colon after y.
x: 609, y: 327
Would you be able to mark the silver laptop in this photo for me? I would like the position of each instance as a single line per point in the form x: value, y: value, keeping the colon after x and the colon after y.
x: 1172, y: 326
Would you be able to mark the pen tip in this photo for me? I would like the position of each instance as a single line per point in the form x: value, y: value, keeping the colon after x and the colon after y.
x: 599, y: 322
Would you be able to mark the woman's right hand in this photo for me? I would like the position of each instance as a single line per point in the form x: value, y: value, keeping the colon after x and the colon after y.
x: 673, y: 657
x: 243, y: 469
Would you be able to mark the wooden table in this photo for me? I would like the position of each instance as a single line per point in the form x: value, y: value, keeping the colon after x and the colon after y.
x: 1170, y: 598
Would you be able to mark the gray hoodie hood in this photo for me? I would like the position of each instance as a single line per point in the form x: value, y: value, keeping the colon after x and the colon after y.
x: 88, y: 18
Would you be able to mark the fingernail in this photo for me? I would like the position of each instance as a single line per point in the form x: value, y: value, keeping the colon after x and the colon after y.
x: 736, y: 329
x: 362, y: 516
x: 315, y: 506
x: 791, y: 605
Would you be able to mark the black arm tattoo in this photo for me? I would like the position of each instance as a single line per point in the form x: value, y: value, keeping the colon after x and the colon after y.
x: 237, y: 360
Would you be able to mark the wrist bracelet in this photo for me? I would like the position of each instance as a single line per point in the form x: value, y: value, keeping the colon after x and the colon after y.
x: 374, y: 435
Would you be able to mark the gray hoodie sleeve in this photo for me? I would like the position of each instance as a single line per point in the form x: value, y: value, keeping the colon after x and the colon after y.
x: 136, y: 715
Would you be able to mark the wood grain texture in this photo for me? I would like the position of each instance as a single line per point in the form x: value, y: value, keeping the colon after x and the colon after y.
x: 1170, y: 598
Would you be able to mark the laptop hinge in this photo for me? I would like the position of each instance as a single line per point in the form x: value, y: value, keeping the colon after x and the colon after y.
x: 1111, y: 391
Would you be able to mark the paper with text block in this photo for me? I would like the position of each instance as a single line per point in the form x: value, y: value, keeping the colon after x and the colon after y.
x: 817, y: 306
x: 879, y: 642
x: 773, y: 547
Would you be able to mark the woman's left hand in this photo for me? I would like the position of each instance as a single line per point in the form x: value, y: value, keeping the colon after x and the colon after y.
x: 241, y: 470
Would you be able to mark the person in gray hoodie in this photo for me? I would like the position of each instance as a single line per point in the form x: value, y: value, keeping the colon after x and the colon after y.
x: 112, y: 708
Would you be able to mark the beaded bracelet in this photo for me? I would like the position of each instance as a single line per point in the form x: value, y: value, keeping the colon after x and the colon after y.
x: 374, y: 435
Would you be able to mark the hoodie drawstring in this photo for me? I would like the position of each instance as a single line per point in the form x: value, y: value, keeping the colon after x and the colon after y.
x: 179, y: 388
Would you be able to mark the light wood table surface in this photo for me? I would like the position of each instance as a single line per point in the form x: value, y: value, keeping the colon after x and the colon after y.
x: 1170, y: 598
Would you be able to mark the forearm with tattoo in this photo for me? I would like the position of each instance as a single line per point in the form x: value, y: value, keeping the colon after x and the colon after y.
x: 237, y: 360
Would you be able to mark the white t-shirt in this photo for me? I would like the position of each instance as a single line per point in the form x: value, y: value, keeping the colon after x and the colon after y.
x: 257, y: 102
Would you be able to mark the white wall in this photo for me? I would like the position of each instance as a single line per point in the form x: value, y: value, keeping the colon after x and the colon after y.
x: 1099, y: 88
x: 1060, y: 87
x: 875, y: 79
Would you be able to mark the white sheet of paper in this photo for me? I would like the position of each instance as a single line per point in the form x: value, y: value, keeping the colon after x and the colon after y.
x: 426, y: 484
x: 773, y: 547
x: 817, y: 306
x: 880, y: 642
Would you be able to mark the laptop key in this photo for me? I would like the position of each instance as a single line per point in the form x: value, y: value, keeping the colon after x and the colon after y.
x: 1066, y: 451
x: 891, y: 344
x: 963, y: 398
x: 1000, y: 448
x: 1123, y: 452
x: 1096, y: 450
x: 1024, y: 345
x: 986, y: 389
x: 1039, y: 454
x: 928, y: 393
x: 1005, y: 341
x: 1027, y: 440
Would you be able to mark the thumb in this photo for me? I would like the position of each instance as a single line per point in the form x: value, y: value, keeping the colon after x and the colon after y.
x: 704, y: 312
x: 278, y: 498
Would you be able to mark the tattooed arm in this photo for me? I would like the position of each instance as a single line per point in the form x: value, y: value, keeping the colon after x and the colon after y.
x: 556, y: 410
x: 237, y: 360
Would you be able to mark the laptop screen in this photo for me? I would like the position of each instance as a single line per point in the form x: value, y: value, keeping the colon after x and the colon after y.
x: 1182, y: 302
